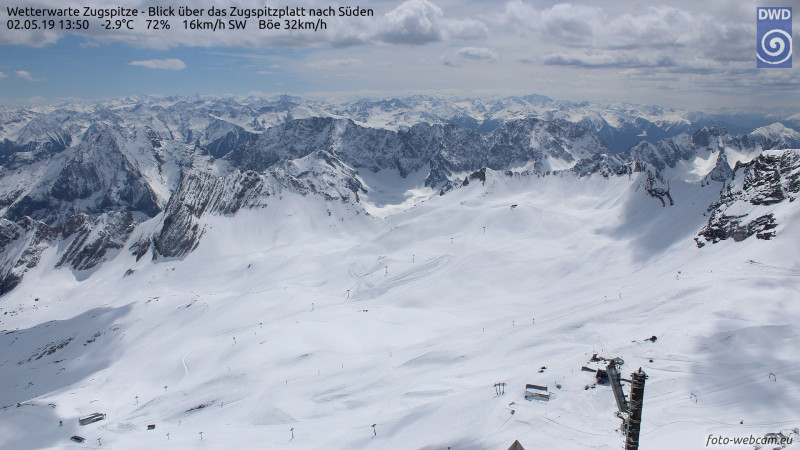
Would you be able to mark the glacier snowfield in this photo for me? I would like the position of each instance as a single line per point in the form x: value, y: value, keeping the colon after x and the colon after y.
x: 303, y: 323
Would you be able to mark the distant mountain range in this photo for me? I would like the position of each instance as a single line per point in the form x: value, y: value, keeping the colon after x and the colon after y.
x: 138, y: 175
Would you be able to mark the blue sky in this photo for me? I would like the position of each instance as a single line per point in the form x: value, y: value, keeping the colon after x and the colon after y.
x: 69, y: 68
x: 673, y: 52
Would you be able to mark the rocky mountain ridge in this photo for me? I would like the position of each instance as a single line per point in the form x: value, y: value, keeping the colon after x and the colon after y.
x: 619, y: 126
x: 749, y: 203
x: 81, y: 181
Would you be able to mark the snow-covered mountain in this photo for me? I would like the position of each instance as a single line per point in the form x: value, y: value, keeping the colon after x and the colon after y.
x: 619, y: 126
x: 111, y: 166
x: 324, y: 266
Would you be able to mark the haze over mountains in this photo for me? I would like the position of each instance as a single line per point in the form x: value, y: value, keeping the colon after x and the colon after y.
x: 291, y: 224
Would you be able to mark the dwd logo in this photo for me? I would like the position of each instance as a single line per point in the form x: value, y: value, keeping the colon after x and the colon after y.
x: 774, y: 37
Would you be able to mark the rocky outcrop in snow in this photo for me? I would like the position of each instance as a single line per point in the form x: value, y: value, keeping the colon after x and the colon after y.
x: 722, y: 171
x: 92, y: 240
x: 202, y: 194
x: 21, y: 247
x: 198, y: 194
x: 747, y: 204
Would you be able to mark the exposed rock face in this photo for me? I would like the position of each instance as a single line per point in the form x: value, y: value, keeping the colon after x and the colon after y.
x: 547, y: 146
x: 708, y: 141
x: 722, y: 171
x: 93, y: 178
x: 747, y: 204
x: 541, y: 142
x: 448, y: 149
x: 658, y: 188
x: 479, y: 175
x: 21, y: 247
x: 93, y: 239
x: 221, y: 137
x: 201, y: 194
x: 198, y: 194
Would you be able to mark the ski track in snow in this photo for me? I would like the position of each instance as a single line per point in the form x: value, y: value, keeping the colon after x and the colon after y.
x: 185, y: 367
x: 369, y: 290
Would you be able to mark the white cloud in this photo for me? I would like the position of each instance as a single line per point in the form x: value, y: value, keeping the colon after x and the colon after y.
x: 462, y: 55
x: 169, y: 64
x: 29, y: 38
x: 590, y: 36
x: 2, y: 75
x: 418, y: 22
x: 25, y: 75
x: 477, y: 53
x: 413, y: 22
x: 617, y: 59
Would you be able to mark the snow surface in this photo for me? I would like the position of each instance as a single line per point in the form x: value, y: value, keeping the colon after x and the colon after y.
x: 316, y: 317
x: 389, y: 193
x: 777, y: 131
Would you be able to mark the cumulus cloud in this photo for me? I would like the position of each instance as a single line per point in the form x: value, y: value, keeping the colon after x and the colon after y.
x: 25, y: 75
x: 419, y: 22
x: 413, y: 22
x: 168, y: 64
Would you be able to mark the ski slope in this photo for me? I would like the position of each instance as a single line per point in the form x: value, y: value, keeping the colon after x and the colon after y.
x: 317, y: 320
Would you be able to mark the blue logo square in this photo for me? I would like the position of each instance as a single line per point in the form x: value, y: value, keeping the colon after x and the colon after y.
x: 774, y: 37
